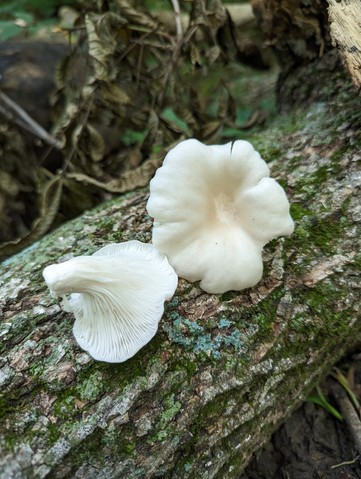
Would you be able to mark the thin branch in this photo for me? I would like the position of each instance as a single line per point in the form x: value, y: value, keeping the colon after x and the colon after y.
x: 178, y: 20
x: 174, y: 60
x: 348, y: 412
x: 82, y: 124
x: 139, y: 68
x: 27, y: 122
x: 346, y: 463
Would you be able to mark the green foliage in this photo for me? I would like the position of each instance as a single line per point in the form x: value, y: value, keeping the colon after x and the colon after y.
x: 321, y: 400
x: 156, y: 4
x: 131, y: 137
x: 344, y: 382
x: 8, y: 29
x: 40, y: 8
x: 175, y: 121
x: 26, y: 16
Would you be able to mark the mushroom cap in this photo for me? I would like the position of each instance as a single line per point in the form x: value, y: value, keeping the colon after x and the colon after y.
x: 117, y: 296
x: 214, y: 208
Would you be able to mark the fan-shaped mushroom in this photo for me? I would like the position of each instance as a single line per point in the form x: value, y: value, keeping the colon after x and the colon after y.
x: 214, y: 209
x: 117, y: 296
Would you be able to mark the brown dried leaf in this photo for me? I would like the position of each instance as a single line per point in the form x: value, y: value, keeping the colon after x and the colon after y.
x: 195, y: 56
x: 49, y: 204
x: 213, y: 54
x: 136, y: 16
x: 102, y: 37
x: 151, y: 137
x: 112, y: 93
x: 258, y: 117
x: 210, y: 130
x: 130, y: 180
x: 93, y: 143
x: 209, y: 12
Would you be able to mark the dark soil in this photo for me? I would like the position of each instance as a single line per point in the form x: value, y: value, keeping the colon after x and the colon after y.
x: 311, y: 444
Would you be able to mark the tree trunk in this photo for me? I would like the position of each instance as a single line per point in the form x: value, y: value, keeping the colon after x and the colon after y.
x: 224, y: 370
x: 345, y: 32
x: 303, y: 35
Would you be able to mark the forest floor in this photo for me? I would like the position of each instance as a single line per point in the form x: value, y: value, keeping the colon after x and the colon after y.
x: 311, y: 444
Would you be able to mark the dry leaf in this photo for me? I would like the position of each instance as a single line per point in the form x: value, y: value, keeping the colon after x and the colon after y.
x: 49, y: 204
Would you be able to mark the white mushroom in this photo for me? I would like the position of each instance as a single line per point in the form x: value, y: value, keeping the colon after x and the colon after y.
x: 117, y: 296
x: 214, y: 208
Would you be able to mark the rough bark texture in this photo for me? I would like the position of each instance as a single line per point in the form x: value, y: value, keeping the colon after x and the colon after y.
x: 345, y: 26
x: 223, y: 371
x: 298, y: 32
x: 303, y: 34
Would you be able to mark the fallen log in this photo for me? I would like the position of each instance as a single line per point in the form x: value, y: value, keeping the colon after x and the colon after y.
x: 224, y: 370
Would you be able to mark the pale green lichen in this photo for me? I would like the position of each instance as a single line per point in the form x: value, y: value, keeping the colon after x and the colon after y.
x: 91, y: 387
x: 195, y: 337
x: 171, y: 409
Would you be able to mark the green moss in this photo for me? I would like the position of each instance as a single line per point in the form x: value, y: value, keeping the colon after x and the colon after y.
x: 319, y: 323
x: 184, y: 362
x: 14, y: 407
x: 227, y: 296
x: 298, y: 212
x: 172, y: 407
x: 54, y: 432
x: 271, y: 146
x: 187, y: 466
x: 357, y: 261
x: 8, y: 405
x: 324, y: 233
x: 64, y: 407
x: 297, y: 323
x: 120, y: 375
x: 90, y: 388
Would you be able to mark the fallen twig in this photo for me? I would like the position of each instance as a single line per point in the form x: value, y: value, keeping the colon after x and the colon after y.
x: 346, y: 463
x: 29, y: 123
x: 178, y: 21
x: 349, y: 413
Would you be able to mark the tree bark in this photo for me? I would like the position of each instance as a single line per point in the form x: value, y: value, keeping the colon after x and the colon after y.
x: 303, y: 35
x: 224, y: 370
x: 345, y: 21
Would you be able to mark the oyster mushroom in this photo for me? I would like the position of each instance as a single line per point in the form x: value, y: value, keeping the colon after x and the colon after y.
x: 214, y: 209
x: 117, y: 296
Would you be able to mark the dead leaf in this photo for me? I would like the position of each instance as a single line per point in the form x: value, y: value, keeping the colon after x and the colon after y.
x: 49, y: 204
x: 130, y: 180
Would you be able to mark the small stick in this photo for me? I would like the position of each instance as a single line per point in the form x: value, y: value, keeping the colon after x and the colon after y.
x: 346, y: 463
x: 178, y: 21
x: 31, y: 124
x: 349, y: 413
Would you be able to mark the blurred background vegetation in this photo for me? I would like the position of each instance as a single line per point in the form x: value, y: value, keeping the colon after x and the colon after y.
x: 114, y: 85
